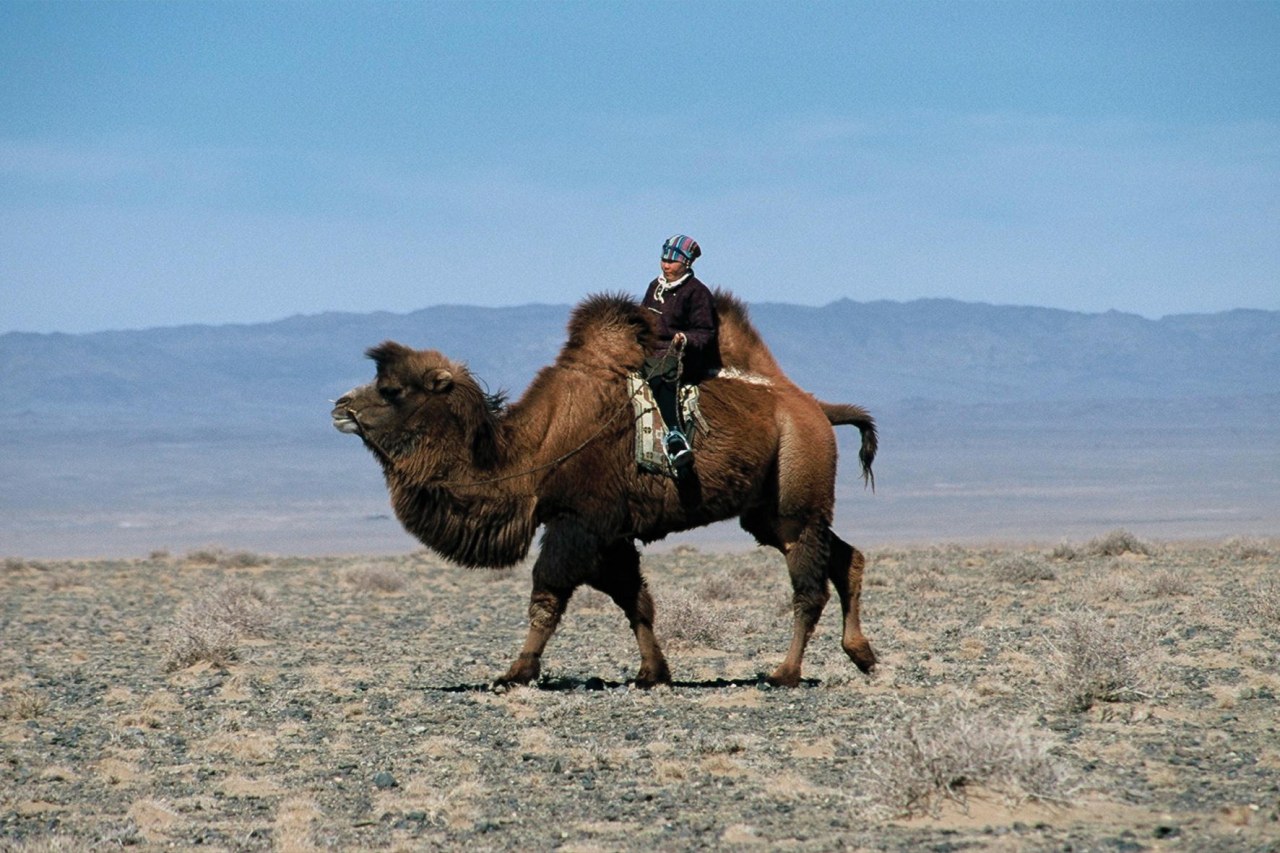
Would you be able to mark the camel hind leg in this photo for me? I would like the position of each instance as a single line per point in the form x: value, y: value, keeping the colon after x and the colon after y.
x: 845, y: 565
x: 619, y: 577
x: 807, y: 560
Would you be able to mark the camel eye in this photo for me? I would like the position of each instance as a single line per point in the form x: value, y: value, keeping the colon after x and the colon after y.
x: 391, y: 393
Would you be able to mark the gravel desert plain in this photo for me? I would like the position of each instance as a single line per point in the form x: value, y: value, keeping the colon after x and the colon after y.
x: 1109, y: 693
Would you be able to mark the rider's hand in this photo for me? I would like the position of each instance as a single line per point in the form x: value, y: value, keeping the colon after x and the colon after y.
x: 679, y: 338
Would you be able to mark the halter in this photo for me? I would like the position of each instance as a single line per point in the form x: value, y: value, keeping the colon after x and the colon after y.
x: 389, y: 460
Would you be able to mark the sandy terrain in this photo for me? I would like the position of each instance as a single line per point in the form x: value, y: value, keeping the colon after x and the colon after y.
x: 1104, y: 694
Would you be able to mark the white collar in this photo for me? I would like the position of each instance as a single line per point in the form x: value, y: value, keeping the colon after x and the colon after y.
x: 660, y: 292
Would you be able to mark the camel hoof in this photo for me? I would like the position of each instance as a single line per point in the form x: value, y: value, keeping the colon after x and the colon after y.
x: 784, y: 677
x: 522, y: 672
x: 646, y: 679
x: 860, y: 652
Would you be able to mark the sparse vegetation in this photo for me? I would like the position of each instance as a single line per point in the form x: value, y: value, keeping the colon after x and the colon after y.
x: 210, y: 628
x: 226, y: 559
x: 376, y: 579
x: 685, y: 619
x: 1243, y: 548
x: 1022, y: 568
x: 366, y: 725
x: 948, y: 750
x: 1264, y: 601
x: 1117, y: 543
x: 23, y: 704
x: 1165, y: 583
x: 1092, y: 658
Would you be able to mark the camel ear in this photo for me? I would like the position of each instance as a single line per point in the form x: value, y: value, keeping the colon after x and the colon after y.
x: 439, y: 380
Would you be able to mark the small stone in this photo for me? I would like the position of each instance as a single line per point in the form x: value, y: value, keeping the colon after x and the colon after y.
x: 384, y: 780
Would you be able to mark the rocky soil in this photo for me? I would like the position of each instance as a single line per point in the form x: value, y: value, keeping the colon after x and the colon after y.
x: 1104, y: 695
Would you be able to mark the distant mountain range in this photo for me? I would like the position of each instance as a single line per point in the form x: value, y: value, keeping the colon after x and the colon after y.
x: 874, y: 353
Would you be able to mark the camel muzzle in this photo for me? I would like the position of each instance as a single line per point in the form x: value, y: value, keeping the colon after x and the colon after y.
x: 344, y: 417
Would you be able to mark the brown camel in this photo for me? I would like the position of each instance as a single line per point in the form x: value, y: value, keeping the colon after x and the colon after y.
x: 474, y: 479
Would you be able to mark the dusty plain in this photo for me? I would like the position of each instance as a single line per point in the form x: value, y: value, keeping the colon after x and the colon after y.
x: 1107, y: 693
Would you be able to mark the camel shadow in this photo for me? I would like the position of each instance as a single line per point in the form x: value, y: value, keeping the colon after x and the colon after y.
x: 569, y: 684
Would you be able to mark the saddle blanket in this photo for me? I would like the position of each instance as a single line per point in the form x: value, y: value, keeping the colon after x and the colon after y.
x: 651, y: 433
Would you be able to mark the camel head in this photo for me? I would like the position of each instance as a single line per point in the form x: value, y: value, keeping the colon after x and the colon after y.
x: 420, y: 406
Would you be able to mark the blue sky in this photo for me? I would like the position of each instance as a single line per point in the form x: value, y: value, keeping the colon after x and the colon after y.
x: 172, y: 163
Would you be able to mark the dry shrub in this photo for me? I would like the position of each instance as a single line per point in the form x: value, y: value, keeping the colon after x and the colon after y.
x: 720, y: 586
x: 1117, y: 543
x: 23, y: 704
x: 228, y: 559
x: 950, y: 749
x: 210, y: 628
x: 1065, y: 552
x: 1264, y: 601
x: 1241, y: 548
x: 1169, y: 582
x: 1092, y: 659
x: 1111, y: 584
x: 376, y: 579
x: 1022, y: 568
x: 684, y: 618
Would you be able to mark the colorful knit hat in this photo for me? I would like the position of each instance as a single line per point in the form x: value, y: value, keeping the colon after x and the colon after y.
x: 680, y: 248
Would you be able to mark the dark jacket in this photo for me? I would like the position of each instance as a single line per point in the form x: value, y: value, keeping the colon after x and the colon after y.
x: 689, y: 308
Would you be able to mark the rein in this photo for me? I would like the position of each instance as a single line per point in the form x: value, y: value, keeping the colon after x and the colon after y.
x: 355, y: 418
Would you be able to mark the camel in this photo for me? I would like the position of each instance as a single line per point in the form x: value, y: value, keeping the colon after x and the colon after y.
x: 473, y: 478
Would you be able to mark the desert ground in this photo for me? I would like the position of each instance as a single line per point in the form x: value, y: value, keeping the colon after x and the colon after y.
x: 1109, y: 693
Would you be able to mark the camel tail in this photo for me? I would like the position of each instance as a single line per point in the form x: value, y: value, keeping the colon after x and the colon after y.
x: 847, y: 413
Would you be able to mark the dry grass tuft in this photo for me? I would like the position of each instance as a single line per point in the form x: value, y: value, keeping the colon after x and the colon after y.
x: 210, y: 628
x: 946, y: 750
x: 1242, y: 548
x: 1117, y: 543
x: 226, y: 559
x: 1264, y: 601
x: 1092, y: 659
x: 1169, y: 582
x: 720, y: 586
x: 23, y: 704
x: 1023, y: 568
x: 686, y: 619
x: 376, y: 579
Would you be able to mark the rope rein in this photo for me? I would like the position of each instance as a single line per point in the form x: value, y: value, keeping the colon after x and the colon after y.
x: 679, y: 353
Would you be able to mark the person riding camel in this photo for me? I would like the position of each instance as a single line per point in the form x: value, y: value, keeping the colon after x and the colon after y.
x: 687, y: 346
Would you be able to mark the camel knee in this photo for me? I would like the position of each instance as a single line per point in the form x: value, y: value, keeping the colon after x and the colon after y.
x: 545, y: 610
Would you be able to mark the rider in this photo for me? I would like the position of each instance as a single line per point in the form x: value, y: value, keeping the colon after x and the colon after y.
x: 687, y: 346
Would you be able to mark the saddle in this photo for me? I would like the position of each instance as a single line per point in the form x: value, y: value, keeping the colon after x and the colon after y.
x: 651, y: 432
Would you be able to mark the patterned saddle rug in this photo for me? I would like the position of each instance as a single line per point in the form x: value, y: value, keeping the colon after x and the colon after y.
x: 651, y: 433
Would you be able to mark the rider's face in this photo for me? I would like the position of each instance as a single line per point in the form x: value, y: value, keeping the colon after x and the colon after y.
x: 672, y: 270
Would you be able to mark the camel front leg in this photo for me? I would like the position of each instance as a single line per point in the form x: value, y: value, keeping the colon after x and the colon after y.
x: 545, y: 609
x: 619, y: 577
x: 565, y: 561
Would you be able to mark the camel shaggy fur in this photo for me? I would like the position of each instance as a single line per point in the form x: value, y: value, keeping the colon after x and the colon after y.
x: 474, y: 479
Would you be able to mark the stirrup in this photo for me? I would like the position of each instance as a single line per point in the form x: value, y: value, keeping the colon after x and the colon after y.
x: 678, y: 452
